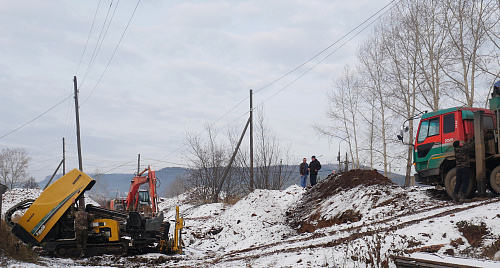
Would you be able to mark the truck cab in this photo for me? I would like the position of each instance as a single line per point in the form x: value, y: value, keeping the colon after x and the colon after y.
x: 434, y: 156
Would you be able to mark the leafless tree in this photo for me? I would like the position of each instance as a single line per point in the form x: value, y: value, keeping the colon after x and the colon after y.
x: 270, y: 172
x: 177, y: 187
x: 432, y: 37
x: 467, y: 23
x: 208, y: 160
x: 13, y: 166
x: 402, y: 44
x: 344, y: 103
x: 30, y: 183
x: 372, y: 57
x: 100, y: 190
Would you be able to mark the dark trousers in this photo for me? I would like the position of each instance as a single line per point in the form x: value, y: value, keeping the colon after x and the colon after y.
x: 462, y: 180
x: 313, y: 179
x: 81, y: 240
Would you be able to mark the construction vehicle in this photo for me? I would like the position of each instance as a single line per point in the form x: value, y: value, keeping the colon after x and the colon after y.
x: 142, y: 200
x: 434, y: 155
x: 48, y: 222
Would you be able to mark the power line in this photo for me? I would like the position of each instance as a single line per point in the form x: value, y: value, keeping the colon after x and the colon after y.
x: 298, y: 67
x: 114, y: 52
x: 97, y: 46
x: 328, y: 47
x: 29, y: 122
x: 88, y: 38
x: 327, y: 56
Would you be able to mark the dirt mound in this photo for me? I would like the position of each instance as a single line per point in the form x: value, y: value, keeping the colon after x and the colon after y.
x: 348, y: 180
x: 304, y: 219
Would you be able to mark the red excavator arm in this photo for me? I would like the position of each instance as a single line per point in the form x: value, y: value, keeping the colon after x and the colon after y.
x: 132, y: 201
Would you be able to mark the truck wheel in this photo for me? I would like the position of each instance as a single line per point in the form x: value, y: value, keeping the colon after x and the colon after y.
x: 450, y: 182
x: 495, y: 179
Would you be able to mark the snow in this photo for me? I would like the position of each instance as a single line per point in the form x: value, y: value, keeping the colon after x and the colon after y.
x: 256, y: 230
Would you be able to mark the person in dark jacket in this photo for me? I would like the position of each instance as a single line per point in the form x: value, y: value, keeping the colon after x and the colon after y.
x: 462, y: 158
x: 314, y: 166
x: 303, y: 169
x: 81, y: 224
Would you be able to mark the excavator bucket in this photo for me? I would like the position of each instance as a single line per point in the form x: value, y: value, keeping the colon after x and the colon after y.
x: 48, y: 208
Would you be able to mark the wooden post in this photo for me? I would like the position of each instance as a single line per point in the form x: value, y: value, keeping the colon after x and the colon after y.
x: 138, y: 164
x: 64, y: 158
x: 251, y: 143
x: 81, y: 201
x: 3, y: 188
x: 80, y: 165
x: 480, y: 152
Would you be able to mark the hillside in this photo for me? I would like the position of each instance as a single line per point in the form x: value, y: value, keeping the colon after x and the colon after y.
x: 354, y: 219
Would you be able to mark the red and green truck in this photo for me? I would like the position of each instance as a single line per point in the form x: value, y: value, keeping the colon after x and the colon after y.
x: 434, y: 156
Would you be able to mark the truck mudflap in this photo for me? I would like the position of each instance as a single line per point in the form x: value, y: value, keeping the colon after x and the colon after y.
x: 424, y: 176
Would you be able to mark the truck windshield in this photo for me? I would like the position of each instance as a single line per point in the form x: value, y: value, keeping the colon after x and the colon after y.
x: 428, y: 128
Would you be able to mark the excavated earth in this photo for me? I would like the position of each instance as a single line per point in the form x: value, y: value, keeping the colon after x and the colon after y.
x: 305, y: 217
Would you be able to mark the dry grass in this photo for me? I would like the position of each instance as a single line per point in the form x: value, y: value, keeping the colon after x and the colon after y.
x: 12, y: 248
x: 489, y: 251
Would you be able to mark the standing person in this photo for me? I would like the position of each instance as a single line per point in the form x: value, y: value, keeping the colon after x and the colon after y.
x: 314, y: 166
x: 462, y: 157
x: 82, y: 220
x: 303, y: 168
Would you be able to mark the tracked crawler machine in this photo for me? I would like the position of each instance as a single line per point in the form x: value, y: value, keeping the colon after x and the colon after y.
x: 48, y: 222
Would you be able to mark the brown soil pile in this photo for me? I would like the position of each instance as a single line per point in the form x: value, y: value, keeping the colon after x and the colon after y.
x: 335, y: 183
x: 302, y: 220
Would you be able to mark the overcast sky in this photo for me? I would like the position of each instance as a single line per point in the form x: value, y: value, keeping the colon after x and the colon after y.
x: 179, y: 65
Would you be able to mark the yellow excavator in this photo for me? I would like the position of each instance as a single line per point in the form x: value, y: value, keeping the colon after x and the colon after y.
x: 48, y: 222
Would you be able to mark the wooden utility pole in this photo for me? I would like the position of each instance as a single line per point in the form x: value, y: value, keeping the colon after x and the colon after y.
x: 80, y: 165
x: 81, y: 201
x: 64, y: 158
x: 138, y: 164
x: 251, y: 142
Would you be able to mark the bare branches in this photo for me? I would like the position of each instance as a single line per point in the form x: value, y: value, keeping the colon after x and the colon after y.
x: 13, y: 167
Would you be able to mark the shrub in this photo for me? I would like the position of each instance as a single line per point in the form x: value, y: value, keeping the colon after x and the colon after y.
x: 12, y: 248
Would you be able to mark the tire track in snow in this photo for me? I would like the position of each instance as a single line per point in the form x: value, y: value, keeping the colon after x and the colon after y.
x: 353, y: 233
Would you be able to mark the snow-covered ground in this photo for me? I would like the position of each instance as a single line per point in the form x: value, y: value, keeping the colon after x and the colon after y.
x: 348, y: 227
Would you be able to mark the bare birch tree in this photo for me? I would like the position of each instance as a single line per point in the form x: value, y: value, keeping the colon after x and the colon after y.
x: 402, y: 44
x: 372, y: 58
x: 432, y: 37
x: 467, y: 23
x: 344, y: 103
x: 13, y: 166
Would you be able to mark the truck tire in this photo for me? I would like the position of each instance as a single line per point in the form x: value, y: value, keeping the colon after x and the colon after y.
x: 450, y: 181
x: 495, y: 179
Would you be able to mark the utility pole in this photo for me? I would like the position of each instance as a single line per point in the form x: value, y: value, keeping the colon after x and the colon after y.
x: 81, y: 201
x: 64, y: 158
x: 346, y: 162
x: 80, y: 165
x: 138, y: 164
x: 338, y: 159
x: 279, y: 180
x: 251, y: 142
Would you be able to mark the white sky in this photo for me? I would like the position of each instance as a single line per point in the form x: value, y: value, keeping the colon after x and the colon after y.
x: 179, y: 65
